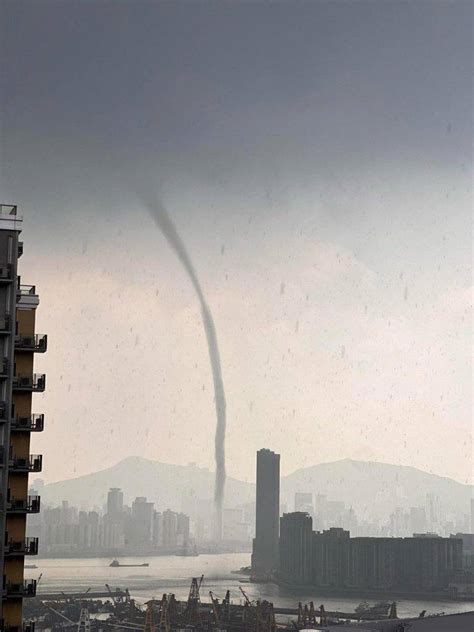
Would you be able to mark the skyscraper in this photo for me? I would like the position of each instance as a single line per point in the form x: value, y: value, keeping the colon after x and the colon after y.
x: 18, y: 344
x: 142, y: 521
x: 114, y: 520
x: 115, y: 501
x: 266, y: 542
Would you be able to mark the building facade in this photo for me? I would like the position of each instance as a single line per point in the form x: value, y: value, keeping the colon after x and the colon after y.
x: 265, y: 552
x: 141, y: 531
x: 114, y: 502
x: 330, y: 557
x: 424, y: 563
x: 18, y: 345
x: 296, y: 530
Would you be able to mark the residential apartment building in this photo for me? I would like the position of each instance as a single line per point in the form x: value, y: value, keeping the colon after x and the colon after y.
x: 424, y: 563
x: 18, y: 345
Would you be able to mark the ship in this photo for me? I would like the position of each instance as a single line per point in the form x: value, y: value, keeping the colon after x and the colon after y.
x: 116, y: 563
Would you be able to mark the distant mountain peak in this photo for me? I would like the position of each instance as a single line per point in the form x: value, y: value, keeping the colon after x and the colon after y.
x: 360, y: 484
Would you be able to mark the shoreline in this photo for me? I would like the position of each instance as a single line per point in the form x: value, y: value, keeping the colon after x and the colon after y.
x: 375, y: 594
x: 116, y: 554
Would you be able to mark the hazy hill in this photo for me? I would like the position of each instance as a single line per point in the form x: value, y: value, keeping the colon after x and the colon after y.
x: 373, y: 489
x: 162, y: 483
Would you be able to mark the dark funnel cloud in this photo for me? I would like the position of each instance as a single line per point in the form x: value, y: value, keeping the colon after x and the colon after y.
x: 160, y: 215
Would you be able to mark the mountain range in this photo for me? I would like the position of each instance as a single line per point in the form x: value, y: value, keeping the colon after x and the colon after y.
x: 372, y: 489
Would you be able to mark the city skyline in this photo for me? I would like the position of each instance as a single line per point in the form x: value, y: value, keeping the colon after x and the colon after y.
x: 420, y: 504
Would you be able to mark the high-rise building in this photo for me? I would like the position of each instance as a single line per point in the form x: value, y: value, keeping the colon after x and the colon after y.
x: 170, y: 529
x: 182, y: 529
x: 113, y: 533
x: 18, y: 344
x: 265, y: 553
x: 115, y: 501
x: 142, y: 521
x: 330, y: 557
x: 424, y: 563
x: 157, y: 529
x: 296, y: 532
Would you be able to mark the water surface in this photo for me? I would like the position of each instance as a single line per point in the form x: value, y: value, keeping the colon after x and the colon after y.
x: 173, y: 574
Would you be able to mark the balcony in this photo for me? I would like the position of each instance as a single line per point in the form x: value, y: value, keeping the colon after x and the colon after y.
x: 8, y: 209
x: 6, y: 274
x: 37, y: 343
x: 34, y: 463
x: 26, y: 290
x: 28, y: 505
x: 4, y: 366
x: 35, y: 383
x: 26, y: 588
x: 28, y: 546
x: 9, y: 219
x: 33, y: 423
x: 26, y: 296
x: 5, y: 325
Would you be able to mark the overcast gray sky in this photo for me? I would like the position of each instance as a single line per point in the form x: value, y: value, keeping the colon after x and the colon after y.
x: 317, y: 160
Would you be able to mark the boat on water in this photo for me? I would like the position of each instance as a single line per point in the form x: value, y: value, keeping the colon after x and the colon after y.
x: 116, y: 563
x: 30, y: 566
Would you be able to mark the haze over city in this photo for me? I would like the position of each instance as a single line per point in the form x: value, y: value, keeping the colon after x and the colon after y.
x: 316, y: 159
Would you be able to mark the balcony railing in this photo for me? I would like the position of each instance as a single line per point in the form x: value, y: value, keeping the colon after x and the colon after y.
x: 33, y: 342
x: 4, y: 366
x: 33, y: 423
x: 6, y: 273
x: 30, y: 505
x: 5, y: 325
x: 21, y: 589
x: 8, y: 209
x: 34, y: 463
x: 28, y: 546
x: 26, y: 290
x: 35, y: 383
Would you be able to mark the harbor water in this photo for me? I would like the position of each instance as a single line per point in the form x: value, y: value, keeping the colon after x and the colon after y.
x: 174, y: 573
